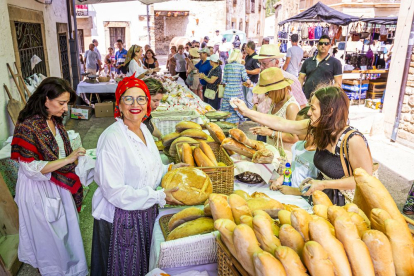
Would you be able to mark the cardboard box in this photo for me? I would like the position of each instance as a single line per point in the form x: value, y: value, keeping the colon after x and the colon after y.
x: 105, y: 109
x: 81, y: 112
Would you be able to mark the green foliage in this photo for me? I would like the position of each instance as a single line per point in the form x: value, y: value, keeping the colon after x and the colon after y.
x: 269, y: 7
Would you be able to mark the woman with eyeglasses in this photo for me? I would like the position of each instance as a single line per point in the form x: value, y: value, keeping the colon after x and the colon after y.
x: 128, y: 171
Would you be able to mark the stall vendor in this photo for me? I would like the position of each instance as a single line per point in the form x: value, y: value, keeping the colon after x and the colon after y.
x: 128, y: 171
x: 156, y: 90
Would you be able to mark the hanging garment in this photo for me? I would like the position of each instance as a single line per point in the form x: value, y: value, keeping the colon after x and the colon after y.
x: 311, y: 32
x: 318, y: 32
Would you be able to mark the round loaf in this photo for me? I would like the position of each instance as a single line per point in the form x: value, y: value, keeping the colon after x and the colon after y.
x: 194, y: 133
x: 199, y: 226
x: 194, y: 185
x: 169, y: 138
x: 185, y: 215
x: 180, y: 127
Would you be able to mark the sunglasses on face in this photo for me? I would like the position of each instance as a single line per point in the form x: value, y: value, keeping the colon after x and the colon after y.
x: 129, y: 100
x: 324, y: 43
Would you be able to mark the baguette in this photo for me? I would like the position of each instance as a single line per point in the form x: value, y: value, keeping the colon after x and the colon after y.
x: 378, y: 218
x: 300, y: 221
x: 173, y: 148
x: 331, y: 227
x: 320, y: 232
x: 265, y: 264
x: 247, y: 220
x: 360, y: 223
x: 380, y: 251
x: 275, y: 227
x: 220, y: 208
x: 284, y: 217
x: 198, y: 226
x: 320, y: 197
x: 262, y: 228
x: 201, y: 159
x: 243, y: 194
x: 216, y: 132
x: 208, y: 152
x: 187, y: 155
x: 239, y: 207
x: 233, y: 145
x: 353, y: 208
x: 291, y: 238
x: 269, y: 205
x: 226, y: 228
x: 316, y: 260
x: 241, y: 137
x: 334, y: 212
x: 246, y: 245
x: 355, y: 248
x: 185, y: 215
x: 321, y: 211
x: 290, y: 261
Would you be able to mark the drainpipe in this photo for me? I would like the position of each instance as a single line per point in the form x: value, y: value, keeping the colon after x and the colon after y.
x: 403, y: 84
x: 73, y: 42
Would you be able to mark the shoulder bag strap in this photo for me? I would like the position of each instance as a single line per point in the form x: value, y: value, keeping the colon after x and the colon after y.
x: 347, y: 169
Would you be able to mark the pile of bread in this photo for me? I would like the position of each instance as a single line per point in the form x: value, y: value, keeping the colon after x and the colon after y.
x: 200, y: 156
x: 367, y: 241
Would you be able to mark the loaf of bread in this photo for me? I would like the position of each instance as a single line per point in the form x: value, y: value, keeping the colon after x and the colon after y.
x: 233, y: 145
x: 289, y: 207
x: 241, y: 137
x: 378, y: 218
x: 265, y: 264
x: 300, y: 221
x: 184, y: 125
x: 248, y: 220
x: 239, y: 207
x: 374, y: 195
x: 269, y: 205
x: 208, y: 152
x: 220, y: 208
x: 262, y: 228
x: 284, y: 217
x: 402, y: 245
x: 187, y: 155
x: 201, y: 159
x: 335, y: 212
x: 185, y: 215
x: 194, y: 185
x: 360, y: 223
x: 246, y: 245
x: 226, y: 228
x: 291, y: 238
x: 242, y: 193
x: 194, y: 133
x: 355, y: 248
x: 199, y: 226
x: 263, y: 156
x: 290, y: 261
x: 259, y: 195
x: 321, y: 210
x: 173, y: 148
x: 320, y: 232
x: 169, y: 138
x: 316, y: 260
x: 216, y: 132
x: 207, y: 209
x: 353, y: 208
x: 275, y: 227
x: 331, y: 227
x: 320, y: 197
x: 380, y: 251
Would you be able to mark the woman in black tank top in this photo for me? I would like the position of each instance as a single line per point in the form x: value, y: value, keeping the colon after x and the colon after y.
x: 328, y: 125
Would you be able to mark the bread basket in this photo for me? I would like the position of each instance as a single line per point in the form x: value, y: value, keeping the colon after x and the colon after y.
x: 104, y: 79
x: 227, y: 265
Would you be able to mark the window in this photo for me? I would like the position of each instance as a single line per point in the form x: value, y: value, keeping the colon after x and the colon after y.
x: 253, y: 5
x: 241, y: 25
x: 248, y: 8
x: 233, y: 25
x: 116, y: 33
x: 81, y: 41
x: 235, y: 2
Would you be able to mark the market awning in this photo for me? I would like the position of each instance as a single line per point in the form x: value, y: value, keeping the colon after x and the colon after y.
x: 146, y: 2
x: 322, y: 13
x: 381, y: 20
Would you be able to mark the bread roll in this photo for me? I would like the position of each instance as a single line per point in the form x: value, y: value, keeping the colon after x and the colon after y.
x: 321, y: 210
x: 216, y: 132
x: 290, y: 261
x: 238, y: 207
x: 284, y: 217
x: 241, y: 137
x: 243, y: 194
x: 374, y: 195
x: 380, y: 251
x: 353, y: 208
x: 194, y: 185
x: 316, y: 260
x: 265, y: 264
x: 289, y: 207
x: 259, y: 195
x: 173, y: 148
x: 199, y: 226
x: 169, y: 138
x: 246, y: 245
x: 184, y: 125
x: 300, y: 221
x: 247, y: 220
x: 226, y: 228
x: 201, y: 159
x: 291, y: 238
x: 271, y: 206
x: 335, y: 212
x: 185, y: 215
x: 263, y: 156
x: 275, y: 227
x: 187, y: 155
x: 320, y: 232
x: 378, y: 218
x: 233, y: 145
x: 402, y: 245
x: 209, y: 152
x: 220, y: 208
x: 320, y: 197
x: 355, y: 248
x: 331, y: 227
x: 194, y: 133
x: 207, y: 209
x: 262, y: 228
x: 360, y: 223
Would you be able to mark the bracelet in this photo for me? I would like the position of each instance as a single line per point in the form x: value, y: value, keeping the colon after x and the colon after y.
x: 273, y: 134
x: 170, y: 167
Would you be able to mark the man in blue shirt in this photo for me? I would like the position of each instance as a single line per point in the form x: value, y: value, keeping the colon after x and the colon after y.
x: 204, y: 67
x: 120, y: 56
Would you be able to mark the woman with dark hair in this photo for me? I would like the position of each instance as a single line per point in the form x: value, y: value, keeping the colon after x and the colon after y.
x: 48, y: 192
x: 157, y: 91
x: 150, y: 61
x: 328, y: 124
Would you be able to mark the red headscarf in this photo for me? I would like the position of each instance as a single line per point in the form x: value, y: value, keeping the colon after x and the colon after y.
x: 126, y: 84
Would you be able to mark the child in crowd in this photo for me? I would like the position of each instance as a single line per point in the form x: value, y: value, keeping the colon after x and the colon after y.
x: 303, y: 152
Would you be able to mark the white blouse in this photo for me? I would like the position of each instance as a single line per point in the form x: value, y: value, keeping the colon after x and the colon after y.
x: 135, y: 67
x: 127, y: 172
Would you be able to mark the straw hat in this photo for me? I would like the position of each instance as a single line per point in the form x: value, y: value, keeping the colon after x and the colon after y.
x: 269, y: 51
x: 271, y: 79
x: 194, y: 53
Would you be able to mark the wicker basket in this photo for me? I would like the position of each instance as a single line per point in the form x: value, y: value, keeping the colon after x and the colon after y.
x: 227, y: 265
x: 166, y: 121
x: 222, y: 178
x: 164, y: 225
x: 103, y: 79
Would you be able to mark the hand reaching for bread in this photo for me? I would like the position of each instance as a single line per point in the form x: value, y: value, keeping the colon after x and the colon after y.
x: 170, y: 199
x: 263, y: 131
x: 240, y: 106
x: 316, y: 185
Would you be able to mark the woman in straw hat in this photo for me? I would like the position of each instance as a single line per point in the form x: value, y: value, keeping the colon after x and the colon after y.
x: 274, y: 85
x: 234, y: 75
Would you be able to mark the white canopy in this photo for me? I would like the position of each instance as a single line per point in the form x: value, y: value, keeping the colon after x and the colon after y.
x: 146, y: 2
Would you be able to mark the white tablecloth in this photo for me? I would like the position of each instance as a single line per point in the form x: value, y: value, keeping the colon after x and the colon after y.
x: 102, y: 87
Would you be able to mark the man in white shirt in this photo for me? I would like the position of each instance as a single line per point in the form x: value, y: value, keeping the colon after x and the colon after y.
x: 217, y: 39
x: 91, y: 60
x: 294, y: 57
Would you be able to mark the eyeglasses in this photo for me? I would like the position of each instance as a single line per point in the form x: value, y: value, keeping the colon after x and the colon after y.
x: 266, y: 62
x: 129, y: 100
x: 324, y: 43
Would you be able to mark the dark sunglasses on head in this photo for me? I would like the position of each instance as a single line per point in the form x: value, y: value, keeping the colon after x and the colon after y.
x: 324, y: 43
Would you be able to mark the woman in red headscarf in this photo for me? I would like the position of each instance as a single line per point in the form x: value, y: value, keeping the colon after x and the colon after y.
x: 128, y: 171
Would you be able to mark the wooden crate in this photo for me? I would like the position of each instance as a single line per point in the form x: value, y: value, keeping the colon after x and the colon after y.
x: 374, y: 95
x: 377, y: 86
